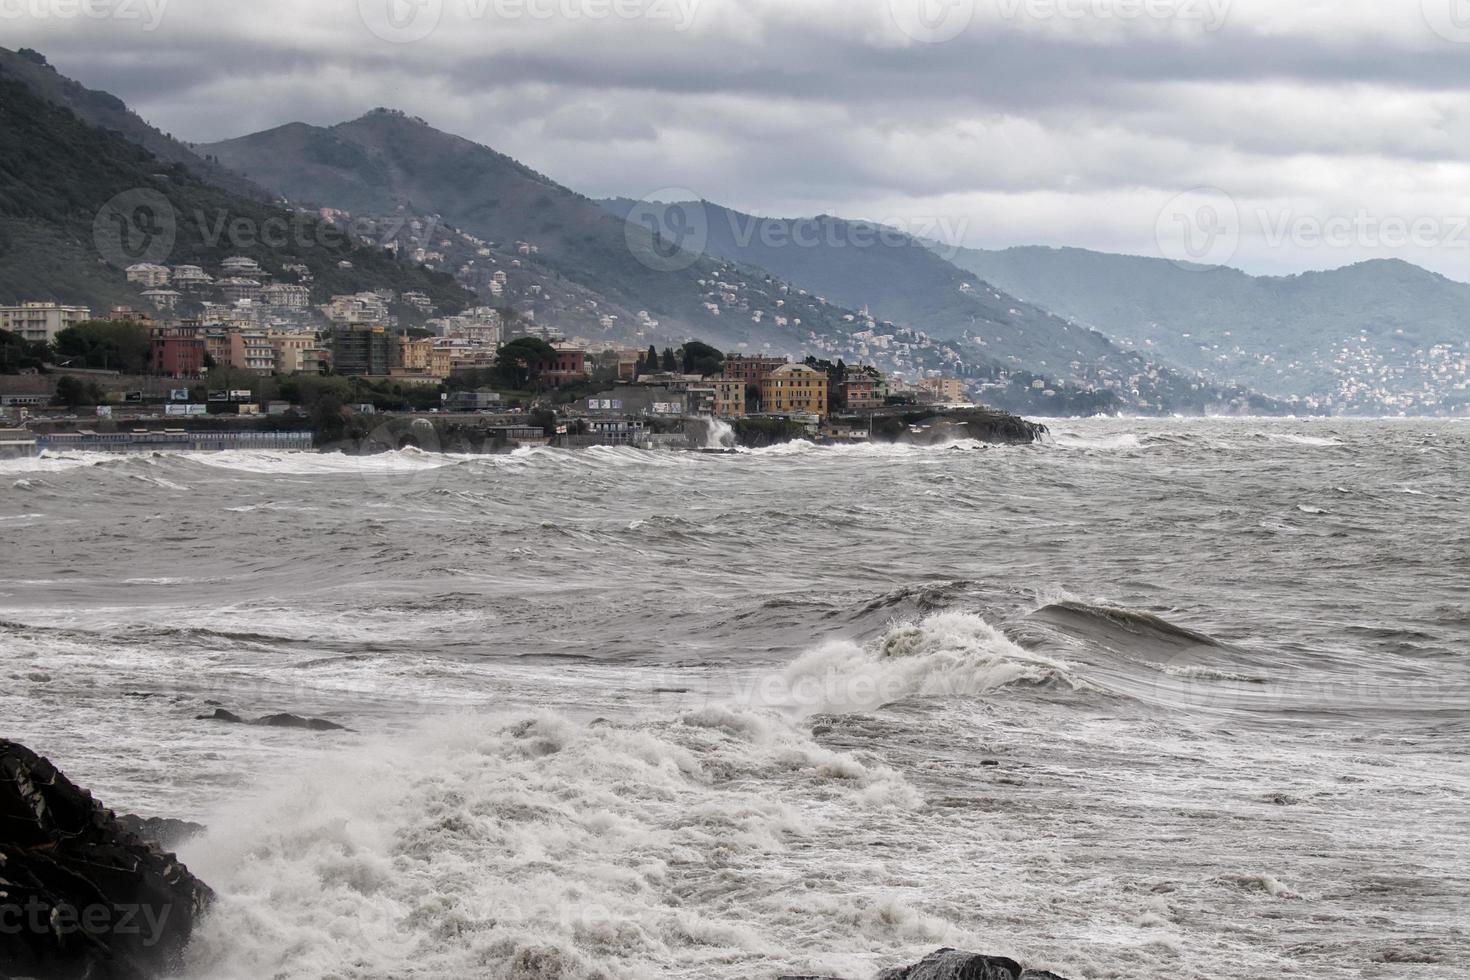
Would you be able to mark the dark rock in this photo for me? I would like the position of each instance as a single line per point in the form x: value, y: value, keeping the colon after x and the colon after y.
x: 276, y: 721
x: 292, y: 721
x: 82, y: 897
x: 951, y: 964
x: 163, y: 831
x: 220, y: 714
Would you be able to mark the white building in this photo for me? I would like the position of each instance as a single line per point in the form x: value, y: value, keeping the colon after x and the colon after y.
x: 241, y: 267
x: 148, y: 274
x: 41, y: 321
x: 190, y: 276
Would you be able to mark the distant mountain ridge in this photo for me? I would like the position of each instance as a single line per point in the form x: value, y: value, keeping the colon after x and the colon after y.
x: 107, y: 111
x: 60, y: 217
x: 897, y: 278
x: 1360, y: 338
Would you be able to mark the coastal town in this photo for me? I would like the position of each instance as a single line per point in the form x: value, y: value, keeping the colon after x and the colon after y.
x: 255, y: 364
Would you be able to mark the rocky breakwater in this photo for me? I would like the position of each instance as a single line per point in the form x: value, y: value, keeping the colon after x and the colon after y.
x: 930, y: 428
x: 951, y: 964
x: 81, y: 895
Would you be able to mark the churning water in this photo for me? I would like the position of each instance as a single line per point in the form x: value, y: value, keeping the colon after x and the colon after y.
x: 1180, y: 699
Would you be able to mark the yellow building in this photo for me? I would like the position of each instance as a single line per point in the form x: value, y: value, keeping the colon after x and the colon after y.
x: 794, y: 388
x: 729, y: 397
x: 288, y: 348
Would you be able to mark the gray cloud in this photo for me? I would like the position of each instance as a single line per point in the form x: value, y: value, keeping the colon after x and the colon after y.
x: 1050, y: 121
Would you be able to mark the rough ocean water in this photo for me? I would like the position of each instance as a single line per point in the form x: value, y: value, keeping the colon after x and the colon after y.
x: 1180, y: 699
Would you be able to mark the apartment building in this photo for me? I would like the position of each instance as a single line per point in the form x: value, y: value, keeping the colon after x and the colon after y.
x: 41, y: 321
x: 795, y: 388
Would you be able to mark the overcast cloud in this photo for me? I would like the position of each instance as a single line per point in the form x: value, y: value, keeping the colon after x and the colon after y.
x: 1329, y: 131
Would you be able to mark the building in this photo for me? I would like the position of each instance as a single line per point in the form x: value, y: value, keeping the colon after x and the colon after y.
x: 237, y: 288
x: 163, y: 299
x: 569, y: 367
x: 729, y: 397
x: 860, y: 393
x: 795, y: 389
x: 286, y: 296
x: 41, y: 321
x: 945, y: 389
x: 149, y: 275
x: 365, y: 350
x: 472, y: 401
x: 251, y: 350
x: 637, y: 400
x: 177, y: 351
x: 417, y: 359
x: 238, y: 265
x: 288, y: 350
x: 190, y: 277
x: 751, y: 370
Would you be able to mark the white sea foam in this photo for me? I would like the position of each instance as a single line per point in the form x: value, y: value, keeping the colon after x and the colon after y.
x: 1319, y: 442
x: 537, y: 848
x: 947, y: 654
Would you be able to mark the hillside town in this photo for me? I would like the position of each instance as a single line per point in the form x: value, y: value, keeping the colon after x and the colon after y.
x: 249, y: 352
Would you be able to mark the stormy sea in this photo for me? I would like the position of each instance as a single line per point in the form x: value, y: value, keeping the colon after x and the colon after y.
x: 1152, y: 699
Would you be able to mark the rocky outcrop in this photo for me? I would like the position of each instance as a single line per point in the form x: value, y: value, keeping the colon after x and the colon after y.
x: 952, y: 964
x: 276, y: 721
x: 81, y: 896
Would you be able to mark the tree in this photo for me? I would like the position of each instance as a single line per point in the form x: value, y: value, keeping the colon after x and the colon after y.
x: 18, y: 354
x: 701, y: 359
x: 520, y: 363
x: 670, y: 364
x: 73, y: 393
x: 121, y: 346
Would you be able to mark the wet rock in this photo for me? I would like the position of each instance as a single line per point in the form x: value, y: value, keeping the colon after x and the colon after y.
x: 292, y: 721
x: 220, y: 714
x: 276, y: 721
x: 952, y: 964
x: 167, y: 833
x: 81, y: 896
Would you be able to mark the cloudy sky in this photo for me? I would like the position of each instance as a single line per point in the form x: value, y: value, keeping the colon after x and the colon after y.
x: 1277, y: 135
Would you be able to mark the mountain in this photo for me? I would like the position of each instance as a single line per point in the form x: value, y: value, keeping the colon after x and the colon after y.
x: 531, y: 229
x: 898, y: 279
x: 552, y: 254
x: 79, y: 203
x: 107, y: 111
x: 1378, y: 336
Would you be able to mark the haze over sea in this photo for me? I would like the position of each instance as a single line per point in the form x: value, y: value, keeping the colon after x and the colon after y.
x: 1159, y: 698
